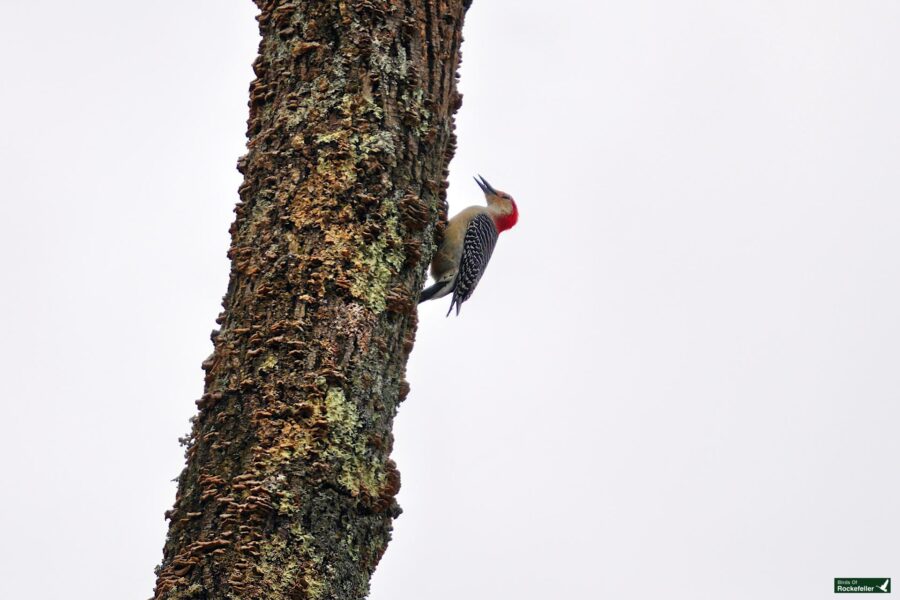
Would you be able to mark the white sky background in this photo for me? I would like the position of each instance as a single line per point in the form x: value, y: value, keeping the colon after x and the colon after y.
x: 681, y: 366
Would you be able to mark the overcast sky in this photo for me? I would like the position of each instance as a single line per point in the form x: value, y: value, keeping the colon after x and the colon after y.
x: 678, y: 378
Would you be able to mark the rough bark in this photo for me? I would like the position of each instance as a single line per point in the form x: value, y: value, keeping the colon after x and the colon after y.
x: 288, y: 490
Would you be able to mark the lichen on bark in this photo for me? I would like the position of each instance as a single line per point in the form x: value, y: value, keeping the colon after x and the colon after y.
x: 289, y: 489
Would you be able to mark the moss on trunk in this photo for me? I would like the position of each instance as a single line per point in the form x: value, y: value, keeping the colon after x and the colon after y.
x: 289, y: 489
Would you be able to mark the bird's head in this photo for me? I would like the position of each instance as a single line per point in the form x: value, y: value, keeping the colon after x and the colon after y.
x: 501, y: 205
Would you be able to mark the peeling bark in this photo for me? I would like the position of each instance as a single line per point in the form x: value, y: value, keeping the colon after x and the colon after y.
x: 289, y: 489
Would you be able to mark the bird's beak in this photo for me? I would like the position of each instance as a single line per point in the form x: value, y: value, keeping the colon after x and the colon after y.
x: 485, y: 186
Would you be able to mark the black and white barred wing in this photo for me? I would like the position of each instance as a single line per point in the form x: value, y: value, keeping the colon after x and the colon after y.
x: 478, y: 245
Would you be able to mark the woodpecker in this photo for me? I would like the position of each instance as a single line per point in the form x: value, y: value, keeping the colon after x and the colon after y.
x: 468, y: 244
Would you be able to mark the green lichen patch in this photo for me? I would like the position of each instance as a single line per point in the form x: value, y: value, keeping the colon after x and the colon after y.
x: 268, y: 362
x: 192, y: 592
x: 281, y: 557
x: 378, y: 262
x: 358, y: 472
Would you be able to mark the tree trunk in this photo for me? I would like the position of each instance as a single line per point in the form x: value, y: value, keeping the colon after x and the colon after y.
x: 289, y: 491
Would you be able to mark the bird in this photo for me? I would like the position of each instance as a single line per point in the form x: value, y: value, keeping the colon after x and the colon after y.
x: 467, y: 246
